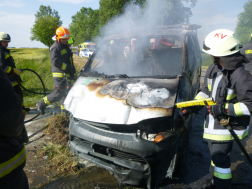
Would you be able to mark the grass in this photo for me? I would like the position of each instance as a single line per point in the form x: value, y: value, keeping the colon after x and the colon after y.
x: 60, y: 161
x: 38, y: 60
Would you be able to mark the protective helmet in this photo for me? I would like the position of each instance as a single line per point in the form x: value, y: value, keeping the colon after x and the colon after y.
x: 4, y: 37
x: 221, y: 42
x: 62, y: 33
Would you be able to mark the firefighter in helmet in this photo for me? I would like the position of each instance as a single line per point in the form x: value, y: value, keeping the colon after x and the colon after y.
x: 62, y: 65
x: 230, y: 85
x: 8, y: 65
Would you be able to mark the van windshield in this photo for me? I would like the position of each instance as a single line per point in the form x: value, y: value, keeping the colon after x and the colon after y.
x: 138, y: 57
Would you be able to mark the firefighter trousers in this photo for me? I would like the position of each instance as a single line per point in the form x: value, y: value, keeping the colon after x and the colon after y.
x: 57, y: 94
x: 221, y: 165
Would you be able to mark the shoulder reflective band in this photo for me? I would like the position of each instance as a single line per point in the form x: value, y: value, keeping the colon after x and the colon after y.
x: 13, y: 163
x: 63, y: 67
x: 222, y: 173
x: 7, y: 56
x: 248, y: 51
x: 55, y: 74
x: 64, y: 51
x: 7, y: 69
x: 62, y: 107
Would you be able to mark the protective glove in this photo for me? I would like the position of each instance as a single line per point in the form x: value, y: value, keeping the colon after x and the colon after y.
x: 185, y: 112
x: 217, y: 110
x: 17, y: 71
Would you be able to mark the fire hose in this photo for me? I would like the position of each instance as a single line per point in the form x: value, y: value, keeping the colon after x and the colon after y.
x: 44, y: 91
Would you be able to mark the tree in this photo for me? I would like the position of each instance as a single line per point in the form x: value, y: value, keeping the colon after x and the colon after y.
x: 46, y: 23
x: 111, y: 8
x: 243, y: 28
x: 85, y: 25
x: 166, y: 12
x: 158, y: 12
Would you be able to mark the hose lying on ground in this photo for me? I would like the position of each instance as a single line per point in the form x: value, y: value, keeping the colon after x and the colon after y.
x: 44, y: 93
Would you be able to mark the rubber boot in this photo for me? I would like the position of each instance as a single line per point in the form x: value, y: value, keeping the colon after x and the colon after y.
x: 208, y: 184
x: 41, y: 106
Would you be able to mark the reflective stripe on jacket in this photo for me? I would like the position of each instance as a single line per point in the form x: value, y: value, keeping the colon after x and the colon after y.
x: 61, y: 58
x: 233, y: 89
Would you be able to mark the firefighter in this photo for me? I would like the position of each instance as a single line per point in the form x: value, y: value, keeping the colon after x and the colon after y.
x: 230, y: 85
x: 12, y: 148
x: 62, y: 64
x: 246, y: 50
x: 8, y: 65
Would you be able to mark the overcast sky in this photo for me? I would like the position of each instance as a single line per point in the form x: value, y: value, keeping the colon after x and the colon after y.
x: 17, y: 16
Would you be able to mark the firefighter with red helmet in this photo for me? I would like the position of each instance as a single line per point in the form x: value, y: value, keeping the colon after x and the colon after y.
x: 62, y: 65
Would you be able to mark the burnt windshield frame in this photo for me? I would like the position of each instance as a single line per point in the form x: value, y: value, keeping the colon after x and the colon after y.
x: 140, y: 60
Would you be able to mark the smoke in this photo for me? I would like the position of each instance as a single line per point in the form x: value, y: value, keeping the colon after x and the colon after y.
x: 141, y: 55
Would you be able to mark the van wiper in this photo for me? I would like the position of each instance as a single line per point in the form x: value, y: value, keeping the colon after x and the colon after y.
x: 102, y: 75
x: 117, y: 76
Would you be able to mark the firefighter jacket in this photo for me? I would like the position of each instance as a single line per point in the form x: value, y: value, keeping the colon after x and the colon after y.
x: 62, y: 60
x: 7, y: 63
x: 12, y: 149
x: 233, y: 89
x: 246, y: 50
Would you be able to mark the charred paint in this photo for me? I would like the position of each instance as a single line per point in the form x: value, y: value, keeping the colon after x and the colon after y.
x: 143, y: 93
x: 99, y: 83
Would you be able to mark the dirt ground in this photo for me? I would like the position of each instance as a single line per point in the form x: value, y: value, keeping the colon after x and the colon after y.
x: 196, y: 168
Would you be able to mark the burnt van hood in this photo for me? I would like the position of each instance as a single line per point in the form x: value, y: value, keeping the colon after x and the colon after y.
x: 122, y: 100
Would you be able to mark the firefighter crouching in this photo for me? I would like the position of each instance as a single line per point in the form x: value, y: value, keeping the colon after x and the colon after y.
x: 62, y: 64
x: 12, y: 148
x: 230, y: 85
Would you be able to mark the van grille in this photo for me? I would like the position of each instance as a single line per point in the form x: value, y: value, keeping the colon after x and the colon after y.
x: 109, y: 151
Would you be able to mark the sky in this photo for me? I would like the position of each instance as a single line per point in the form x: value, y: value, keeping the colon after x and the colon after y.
x: 18, y: 16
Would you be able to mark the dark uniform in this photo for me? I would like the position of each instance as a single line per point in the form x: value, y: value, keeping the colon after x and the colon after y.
x: 62, y: 63
x: 12, y: 149
x: 7, y: 63
x: 233, y: 89
x: 246, y: 50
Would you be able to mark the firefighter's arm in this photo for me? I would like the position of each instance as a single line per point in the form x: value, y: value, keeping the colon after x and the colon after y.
x: 56, y: 60
x: 243, y: 89
x: 8, y: 69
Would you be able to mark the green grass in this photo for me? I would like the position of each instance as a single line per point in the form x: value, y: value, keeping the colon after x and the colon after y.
x: 39, y: 61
